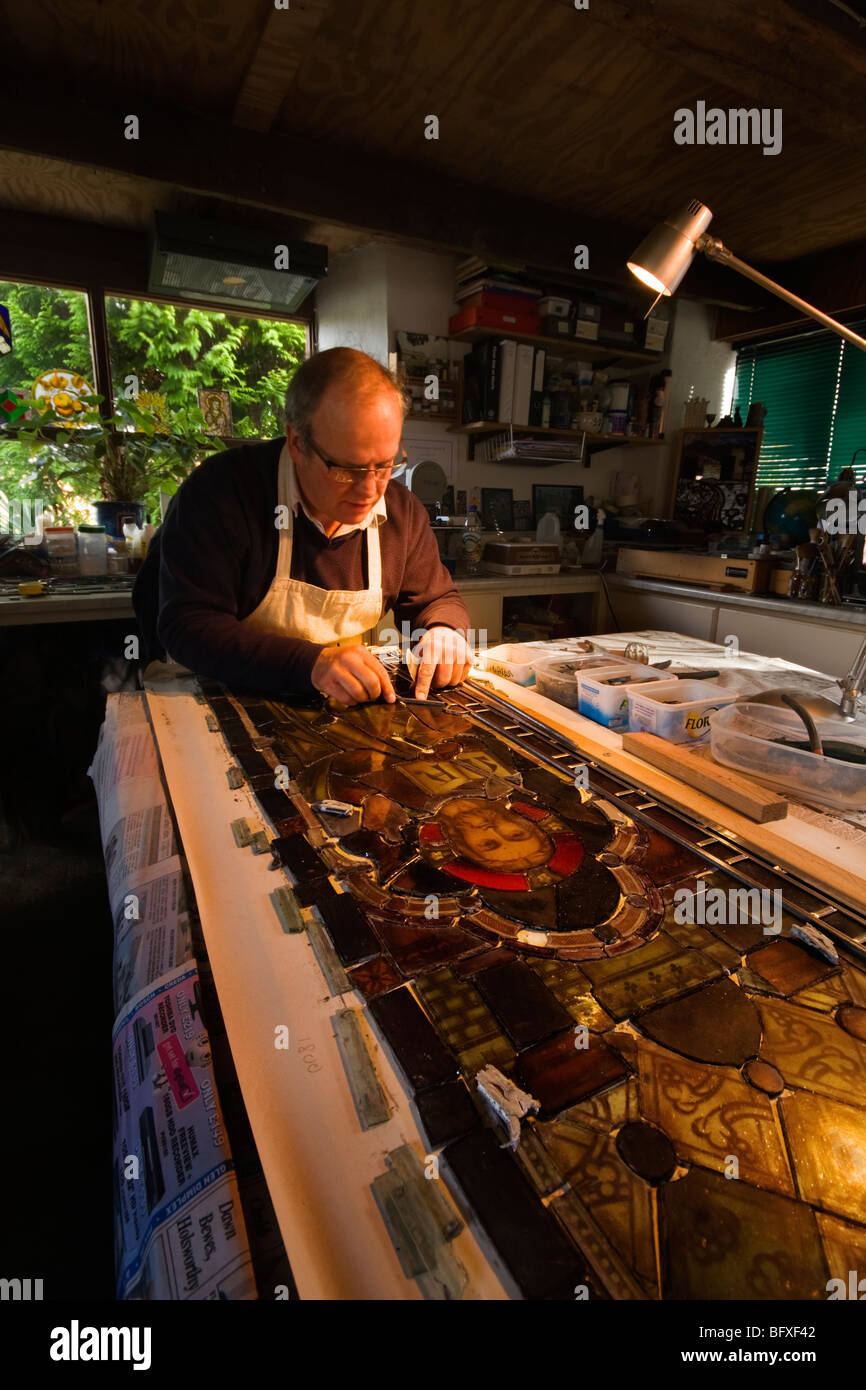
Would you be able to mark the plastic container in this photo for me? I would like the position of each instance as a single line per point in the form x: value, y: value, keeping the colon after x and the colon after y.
x: 556, y: 676
x: 742, y: 737
x: 516, y: 661
x: 62, y: 549
x: 678, y: 711
x: 92, y: 550
x: 608, y: 704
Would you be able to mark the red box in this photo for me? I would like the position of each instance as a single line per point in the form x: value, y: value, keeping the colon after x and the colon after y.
x: 494, y: 319
x: 520, y: 304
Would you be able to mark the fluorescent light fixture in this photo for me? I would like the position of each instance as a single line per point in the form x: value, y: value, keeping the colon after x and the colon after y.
x: 664, y: 256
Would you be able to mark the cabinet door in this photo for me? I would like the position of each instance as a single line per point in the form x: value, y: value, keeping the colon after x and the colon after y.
x: 485, y: 618
x: 485, y: 621
x: 823, y: 647
x: 636, y: 611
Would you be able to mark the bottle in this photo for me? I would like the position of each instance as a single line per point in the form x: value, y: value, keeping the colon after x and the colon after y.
x: 472, y: 541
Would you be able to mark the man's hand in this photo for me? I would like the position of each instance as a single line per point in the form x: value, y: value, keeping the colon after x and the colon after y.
x: 444, y: 658
x: 351, y: 676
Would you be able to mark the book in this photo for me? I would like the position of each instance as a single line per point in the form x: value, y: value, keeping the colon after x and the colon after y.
x: 507, y: 365
x: 522, y: 383
x: 536, y: 398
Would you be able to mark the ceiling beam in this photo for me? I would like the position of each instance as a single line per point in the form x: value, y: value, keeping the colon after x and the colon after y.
x: 285, y: 40
x: 765, y: 49
x: 310, y: 178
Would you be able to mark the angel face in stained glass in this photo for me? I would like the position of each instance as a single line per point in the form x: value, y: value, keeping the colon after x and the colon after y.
x: 496, y: 844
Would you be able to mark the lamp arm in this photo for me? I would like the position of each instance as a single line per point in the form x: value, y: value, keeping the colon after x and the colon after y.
x: 852, y: 685
x: 717, y: 251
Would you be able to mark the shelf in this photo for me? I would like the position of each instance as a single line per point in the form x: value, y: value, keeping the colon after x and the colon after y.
x: 586, y: 349
x: 593, y: 441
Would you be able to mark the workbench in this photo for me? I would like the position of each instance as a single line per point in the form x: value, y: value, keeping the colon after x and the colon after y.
x: 320, y: 1164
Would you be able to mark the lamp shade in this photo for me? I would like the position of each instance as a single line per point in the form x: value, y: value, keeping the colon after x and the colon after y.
x: 664, y: 256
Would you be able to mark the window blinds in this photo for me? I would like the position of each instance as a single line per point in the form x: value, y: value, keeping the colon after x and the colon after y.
x: 814, y: 388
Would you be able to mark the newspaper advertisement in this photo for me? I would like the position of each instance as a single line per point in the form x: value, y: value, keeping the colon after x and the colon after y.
x: 179, y: 1228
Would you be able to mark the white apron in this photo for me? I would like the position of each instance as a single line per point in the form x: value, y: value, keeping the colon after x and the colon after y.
x: 329, y: 617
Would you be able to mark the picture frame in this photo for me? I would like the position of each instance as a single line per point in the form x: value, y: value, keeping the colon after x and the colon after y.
x: 497, y: 508
x: 559, y: 498
x: 216, y: 407
x: 714, y: 477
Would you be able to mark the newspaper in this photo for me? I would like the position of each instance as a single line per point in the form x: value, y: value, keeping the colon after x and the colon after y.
x: 134, y: 818
x: 151, y: 928
x: 179, y: 1229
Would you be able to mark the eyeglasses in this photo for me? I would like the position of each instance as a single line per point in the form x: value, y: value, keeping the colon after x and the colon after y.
x: 344, y: 473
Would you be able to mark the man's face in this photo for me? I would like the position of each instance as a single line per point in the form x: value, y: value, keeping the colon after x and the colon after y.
x: 358, y: 432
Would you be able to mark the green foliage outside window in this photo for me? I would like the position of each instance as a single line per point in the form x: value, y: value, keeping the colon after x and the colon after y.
x: 165, y: 351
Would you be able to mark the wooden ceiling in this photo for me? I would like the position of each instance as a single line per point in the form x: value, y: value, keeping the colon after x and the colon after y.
x: 555, y: 124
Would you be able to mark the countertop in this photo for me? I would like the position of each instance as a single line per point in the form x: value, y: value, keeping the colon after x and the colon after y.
x: 845, y: 615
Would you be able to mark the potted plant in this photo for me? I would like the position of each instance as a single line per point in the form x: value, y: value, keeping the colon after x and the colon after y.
x: 126, y: 457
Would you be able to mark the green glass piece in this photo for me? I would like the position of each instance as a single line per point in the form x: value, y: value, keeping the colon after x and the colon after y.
x: 326, y: 957
x: 287, y: 909
x: 370, y: 1100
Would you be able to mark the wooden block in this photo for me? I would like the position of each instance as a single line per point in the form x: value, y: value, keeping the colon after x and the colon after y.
x: 744, y: 795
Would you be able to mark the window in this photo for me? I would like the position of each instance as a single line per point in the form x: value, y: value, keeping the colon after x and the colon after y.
x: 49, y: 335
x: 160, y: 356
x: 169, y: 352
x: 814, y: 388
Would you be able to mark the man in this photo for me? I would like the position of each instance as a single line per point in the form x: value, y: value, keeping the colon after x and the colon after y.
x: 275, y: 558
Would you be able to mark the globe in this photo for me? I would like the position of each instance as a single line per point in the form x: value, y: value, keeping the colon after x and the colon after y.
x: 791, y: 513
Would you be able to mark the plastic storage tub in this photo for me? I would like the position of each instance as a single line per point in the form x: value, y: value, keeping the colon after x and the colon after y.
x: 742, y: 737
x: 608, y: 704
x: 516, y: 661
x: 556, y: 676
x: 677, y: 710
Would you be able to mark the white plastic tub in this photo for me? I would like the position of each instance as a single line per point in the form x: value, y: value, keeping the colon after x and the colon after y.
x: 742, y: 737
x: 608, y: 704
x: 516, y: 661
x: 678, y: 711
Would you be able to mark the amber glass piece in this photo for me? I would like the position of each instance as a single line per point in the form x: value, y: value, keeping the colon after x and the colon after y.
x: 717, y: 1024
x: 664, y: 860
x: 647, y: 1151
x: 648, y: 975
x: 710, y: 1114
x: 722, y: 1239
x: 559, y: 1073
x: 845, y: 1248
x: 613, y: 1197
x: 788, y: 966
x: 464, y: 1021
x: 417, y: 947
x: 764, y: 1077
x: 536, y: 908
x: 812, y: 1051
x: 853, y: 1020
x: 375, y: 976
x: 569, y: 985
x: 825, y: 996
x: 828, y: 1146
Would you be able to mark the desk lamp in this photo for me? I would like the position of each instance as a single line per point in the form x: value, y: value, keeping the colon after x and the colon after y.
x: 660, y: 262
